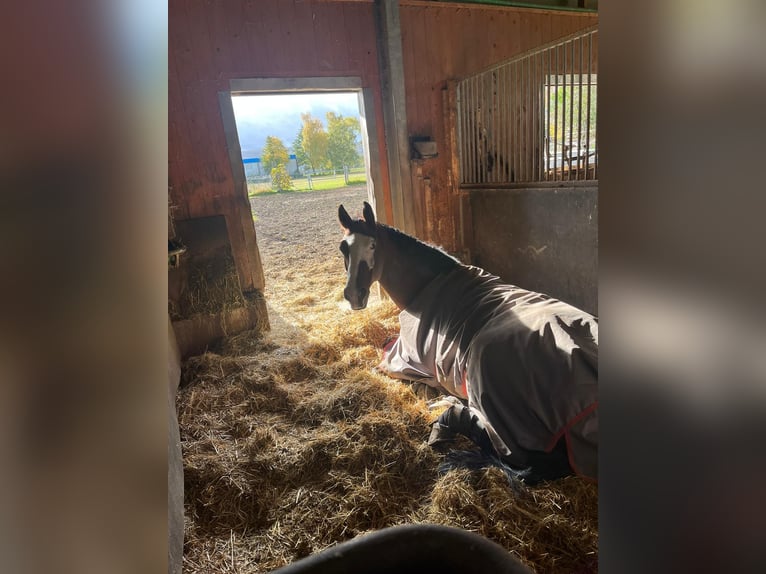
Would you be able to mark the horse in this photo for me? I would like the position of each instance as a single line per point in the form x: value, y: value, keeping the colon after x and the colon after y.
x: 522, y: 366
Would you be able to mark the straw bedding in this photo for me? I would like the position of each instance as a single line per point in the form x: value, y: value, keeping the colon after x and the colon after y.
x: 293, y: 443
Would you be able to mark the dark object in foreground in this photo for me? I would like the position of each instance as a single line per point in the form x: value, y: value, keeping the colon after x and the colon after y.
x: 421, y: 548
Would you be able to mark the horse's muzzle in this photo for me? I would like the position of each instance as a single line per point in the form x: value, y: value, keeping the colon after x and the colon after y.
x: 357, y: 298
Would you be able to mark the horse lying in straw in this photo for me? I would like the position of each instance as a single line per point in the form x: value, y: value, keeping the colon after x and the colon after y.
x: 524, y: 365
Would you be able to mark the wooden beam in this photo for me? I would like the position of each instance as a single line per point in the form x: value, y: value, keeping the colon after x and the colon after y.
x: 239, y: 216
x: 281, y: 85
x: 372, y: 154
x: 389, y: 38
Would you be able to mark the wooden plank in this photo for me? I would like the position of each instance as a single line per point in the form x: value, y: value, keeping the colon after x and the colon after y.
x: 292, y: 47
x: 489, y: 7
x: 395, y: 116
x: 304, y: 24
x: 215, y: 14
x: 255, y: 26
x: 271, y: 39
x: 295, y: 84
x: 385, y: 170
x: 177, y: 136
x: 196, y: 334
x: 236, y: 37
x: 194, y: 120
x: 424, y: 59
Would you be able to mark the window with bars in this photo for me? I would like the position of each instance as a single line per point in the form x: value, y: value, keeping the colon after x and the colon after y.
x: 533, y: 118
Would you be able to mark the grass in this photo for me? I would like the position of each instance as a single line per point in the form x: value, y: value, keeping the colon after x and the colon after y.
x: 300, y: 184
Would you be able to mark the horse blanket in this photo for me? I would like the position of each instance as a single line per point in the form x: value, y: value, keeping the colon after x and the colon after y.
x: 526, y: 364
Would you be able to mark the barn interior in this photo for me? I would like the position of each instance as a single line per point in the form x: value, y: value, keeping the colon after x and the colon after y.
x: 283, y: 441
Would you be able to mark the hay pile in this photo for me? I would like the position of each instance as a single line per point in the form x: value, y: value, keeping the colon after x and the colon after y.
x: 292, y: 443
x: 213, y: 286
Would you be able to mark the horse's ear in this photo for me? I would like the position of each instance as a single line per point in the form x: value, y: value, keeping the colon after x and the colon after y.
x: 369, y: 216
x: 344, y: 217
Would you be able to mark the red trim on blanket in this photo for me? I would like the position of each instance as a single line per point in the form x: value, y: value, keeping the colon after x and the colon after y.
x: 565, y: 433
x: 464, y: 384
x: 581, y: 415
x: 387, y: 347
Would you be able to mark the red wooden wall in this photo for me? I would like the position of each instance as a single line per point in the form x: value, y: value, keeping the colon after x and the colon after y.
x: 449, y: 41
x: 213, y: 41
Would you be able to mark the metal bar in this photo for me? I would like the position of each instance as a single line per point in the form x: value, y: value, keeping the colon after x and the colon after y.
x: 476, y: 117
x: 502, y: 91
x: 527, y: 130
x: 579, y: 116
x: 507, y: 124
x: 557, y: 169
x: 548, y: 119
x: 530, y: 121
x: 467, y: 144
x: 497, y: 127
x: 463, y: 133
x: 587, y: 133
x: 595, y: 134
x: 482, y: 129
x: 571, y: 107
x: 514, y: 125
x: 477, y: 130
x: 481, y: 123
x: 533, y: 117
x: 471, y: 109
x: 538, y: 91
x: 459, y: 129
x: 488, y: 128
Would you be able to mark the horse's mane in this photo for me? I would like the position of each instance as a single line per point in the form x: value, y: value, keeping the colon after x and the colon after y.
x: 435, y: 257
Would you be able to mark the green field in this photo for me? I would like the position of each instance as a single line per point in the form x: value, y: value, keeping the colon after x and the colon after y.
x: 318, y: 183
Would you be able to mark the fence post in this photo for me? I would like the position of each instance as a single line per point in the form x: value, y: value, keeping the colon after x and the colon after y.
x: 309, y: 181
x: 345, y: 173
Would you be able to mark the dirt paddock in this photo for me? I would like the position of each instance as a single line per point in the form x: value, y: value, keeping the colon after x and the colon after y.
x: 292, y: 443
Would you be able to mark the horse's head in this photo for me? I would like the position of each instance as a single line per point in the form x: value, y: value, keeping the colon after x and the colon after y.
x: 358, y: 248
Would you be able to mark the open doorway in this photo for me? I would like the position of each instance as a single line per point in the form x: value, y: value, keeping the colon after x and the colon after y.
x: 300, y: 142
x: 298, y: 149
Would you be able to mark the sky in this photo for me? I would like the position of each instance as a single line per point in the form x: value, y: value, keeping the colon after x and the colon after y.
x: 280, y: 115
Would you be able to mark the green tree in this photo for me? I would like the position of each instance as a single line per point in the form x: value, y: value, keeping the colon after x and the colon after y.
x: 274, y: 154
x: 300, y: 154
x: 314, y: 141
x: 342, y: 135
x: 280, y: 179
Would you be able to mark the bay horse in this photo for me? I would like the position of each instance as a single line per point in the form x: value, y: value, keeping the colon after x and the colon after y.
x: 523, y: 366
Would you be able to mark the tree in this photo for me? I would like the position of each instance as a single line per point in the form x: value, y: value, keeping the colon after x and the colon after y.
x: 274, y: 153
x: 280, y: 179
x: 300, y: 153
x: 314, y: 141
x: 341, y: 140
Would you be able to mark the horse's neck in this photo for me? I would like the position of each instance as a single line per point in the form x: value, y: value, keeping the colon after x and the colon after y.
x: 405, y: 272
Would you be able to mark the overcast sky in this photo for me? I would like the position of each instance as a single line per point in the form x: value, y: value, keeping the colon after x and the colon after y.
x: 280, y: 115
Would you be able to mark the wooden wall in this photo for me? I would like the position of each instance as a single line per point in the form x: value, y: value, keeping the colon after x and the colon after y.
x: 213, y: 41
x: 449, y: 41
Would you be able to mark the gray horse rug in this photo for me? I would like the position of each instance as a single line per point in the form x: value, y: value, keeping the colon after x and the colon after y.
x: 525, y: 364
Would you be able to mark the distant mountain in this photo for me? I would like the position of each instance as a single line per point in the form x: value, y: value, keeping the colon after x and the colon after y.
x: 255, y: 122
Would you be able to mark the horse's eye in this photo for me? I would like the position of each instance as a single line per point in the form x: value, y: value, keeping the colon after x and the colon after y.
x: 344, y: 248
x: 372, y: 245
